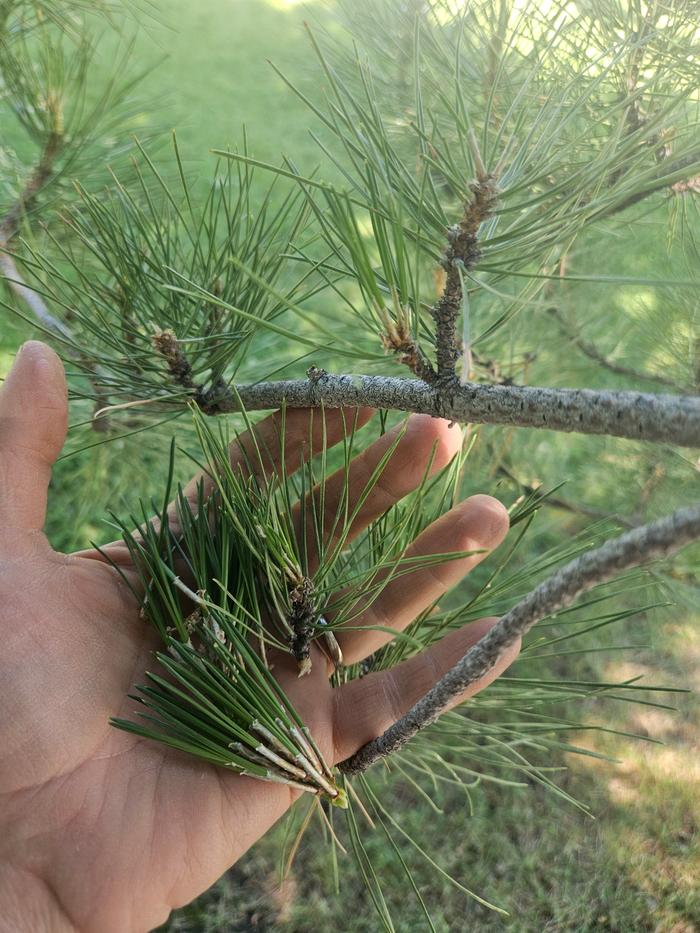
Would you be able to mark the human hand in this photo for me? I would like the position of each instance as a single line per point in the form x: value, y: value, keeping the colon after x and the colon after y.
x: 103, y: 831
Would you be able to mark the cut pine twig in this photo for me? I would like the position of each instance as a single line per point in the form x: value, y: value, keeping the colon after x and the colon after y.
x: 649, y: 542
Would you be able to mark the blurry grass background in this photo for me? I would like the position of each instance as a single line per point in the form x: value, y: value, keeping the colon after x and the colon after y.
x: 636, y: 866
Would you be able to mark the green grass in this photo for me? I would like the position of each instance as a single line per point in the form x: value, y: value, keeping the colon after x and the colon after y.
x: 633, y: 868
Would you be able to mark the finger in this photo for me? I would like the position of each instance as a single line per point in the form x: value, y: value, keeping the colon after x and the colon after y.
x: 427, y: 442
x: 33, y: 427
x: 478, y: 524
x: 365, y: 708
x: 261, y: 451
x: 261, y: 448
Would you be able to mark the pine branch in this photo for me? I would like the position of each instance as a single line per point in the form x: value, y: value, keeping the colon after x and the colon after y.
x: 10, y: 225
x: 38, y: 179
x: 671, y: 172
x: 462, y: 253
x: 41, y: 175
x: 565, y: 505
x: 33, y: 300
x: 593, y: 353
x: 673, y: 419
x: 646, y: 543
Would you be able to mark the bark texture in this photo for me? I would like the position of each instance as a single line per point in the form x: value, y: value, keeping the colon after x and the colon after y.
x: 648, y: 542
x: 673, y: 419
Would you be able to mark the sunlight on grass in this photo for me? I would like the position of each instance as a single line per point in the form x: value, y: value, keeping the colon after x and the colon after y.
x: 651, y: 810
x: 686, y: 637
x: 285, y: 4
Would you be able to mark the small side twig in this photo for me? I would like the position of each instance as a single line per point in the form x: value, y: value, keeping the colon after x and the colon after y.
x: 398, y: 339
x: 668, y: 169
x: 593, y: 353
x: 565, y: 505
x: 648, y: 542
x: 462, y: 253
x: 10, y: 227
x: 166, y: 344
x: 38, y: 179
x: 211, y: 399
x: 302, y: 619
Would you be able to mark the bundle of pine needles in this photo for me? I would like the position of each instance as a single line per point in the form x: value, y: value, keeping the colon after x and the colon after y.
x: 249, y: 566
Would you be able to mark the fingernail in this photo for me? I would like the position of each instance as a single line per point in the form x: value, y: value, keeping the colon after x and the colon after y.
x: 33, y: 347
x: 35, y: 353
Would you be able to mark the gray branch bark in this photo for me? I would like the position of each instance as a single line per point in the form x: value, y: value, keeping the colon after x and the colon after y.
x: 648, y: 542
x: 673, y: 419
x: 668, y: 168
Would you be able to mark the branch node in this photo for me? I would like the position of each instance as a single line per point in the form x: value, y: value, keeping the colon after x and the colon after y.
x: 302, y: 619
x: 315, y: 374
x: 216, y: 400
x: 166, y: 343
x: 399, y: 340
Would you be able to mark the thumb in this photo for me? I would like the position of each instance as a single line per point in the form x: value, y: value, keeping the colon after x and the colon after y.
x: 33, y: 427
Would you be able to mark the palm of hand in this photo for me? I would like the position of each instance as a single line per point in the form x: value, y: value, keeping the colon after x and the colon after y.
x: 102, y: 830
x: 124, y: 829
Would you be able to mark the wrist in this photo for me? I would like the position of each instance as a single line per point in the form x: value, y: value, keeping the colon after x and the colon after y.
x: 28, y: 905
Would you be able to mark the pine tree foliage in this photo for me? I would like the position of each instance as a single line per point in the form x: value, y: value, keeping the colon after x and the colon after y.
x: 466, y: 150
x: 560, y: 144
x: 47, y: 62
